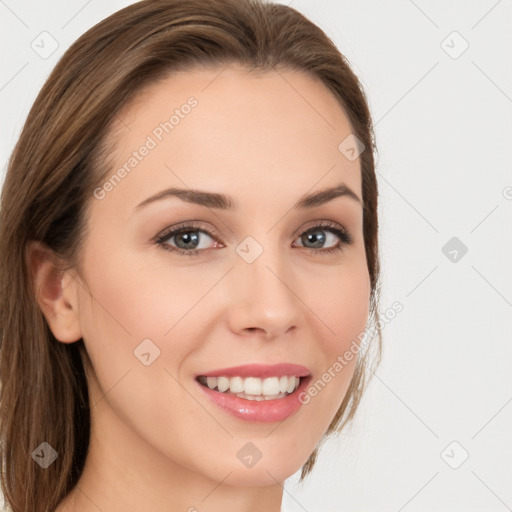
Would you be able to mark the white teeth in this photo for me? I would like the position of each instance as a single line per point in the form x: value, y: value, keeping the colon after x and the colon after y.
x: 283, y: 384
x: 222, y: 383
x: 270, y: 386
x: 254, y: 388
x: 236, y: 385
x: 291, y: 385
x: 259, y: 398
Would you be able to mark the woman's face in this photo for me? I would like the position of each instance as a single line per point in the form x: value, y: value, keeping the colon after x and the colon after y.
x: 253, y: 284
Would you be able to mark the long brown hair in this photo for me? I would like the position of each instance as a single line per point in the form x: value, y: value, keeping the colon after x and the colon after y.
x: 61, y: 157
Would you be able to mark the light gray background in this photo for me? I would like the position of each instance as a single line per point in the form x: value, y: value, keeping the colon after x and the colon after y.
x: 444, y: 131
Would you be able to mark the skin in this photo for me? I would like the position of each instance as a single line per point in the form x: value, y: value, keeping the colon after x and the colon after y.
x: 156, y: 442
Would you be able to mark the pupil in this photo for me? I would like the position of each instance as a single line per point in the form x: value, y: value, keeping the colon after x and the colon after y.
x: 314, y: 238
x: 190, y: 235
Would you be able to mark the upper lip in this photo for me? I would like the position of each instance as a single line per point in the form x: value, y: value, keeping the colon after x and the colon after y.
x: 259, y: 370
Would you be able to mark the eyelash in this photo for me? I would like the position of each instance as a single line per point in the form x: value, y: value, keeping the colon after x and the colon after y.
x: 162, y: 238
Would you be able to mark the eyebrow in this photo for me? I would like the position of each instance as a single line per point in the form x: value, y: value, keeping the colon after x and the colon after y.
x: 225, y: 202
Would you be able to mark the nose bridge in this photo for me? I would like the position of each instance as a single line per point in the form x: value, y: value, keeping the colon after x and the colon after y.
x: 264, y: 298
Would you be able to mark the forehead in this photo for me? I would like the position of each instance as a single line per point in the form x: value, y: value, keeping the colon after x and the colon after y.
x: 236, y: 128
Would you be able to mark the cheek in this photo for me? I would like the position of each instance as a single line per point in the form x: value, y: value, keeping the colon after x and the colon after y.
x: 136, y: 299
x: 344, y: 308
x: 343, y: 305
x: 128, y: 306
x: 137, y: 307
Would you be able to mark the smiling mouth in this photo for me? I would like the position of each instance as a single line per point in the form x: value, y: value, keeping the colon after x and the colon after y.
x: 253, y: 388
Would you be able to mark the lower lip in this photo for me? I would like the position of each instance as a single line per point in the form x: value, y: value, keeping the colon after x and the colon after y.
x: 264, y: 411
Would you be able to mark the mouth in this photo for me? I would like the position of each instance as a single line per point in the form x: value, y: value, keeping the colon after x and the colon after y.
x: 259, y: 393
x: 253, y: 388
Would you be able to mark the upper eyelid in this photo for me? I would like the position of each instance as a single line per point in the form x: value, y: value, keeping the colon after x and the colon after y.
x: 186, y: 226
x: 212, y: 233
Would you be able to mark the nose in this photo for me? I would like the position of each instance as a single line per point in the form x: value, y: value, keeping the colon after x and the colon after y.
x: 262, y: 298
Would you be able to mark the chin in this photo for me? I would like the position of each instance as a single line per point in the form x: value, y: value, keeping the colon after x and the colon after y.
x: 261, y: 474
x: 269, y: 466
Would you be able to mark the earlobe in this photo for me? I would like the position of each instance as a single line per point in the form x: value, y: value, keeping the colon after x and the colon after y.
x: 55, y: 291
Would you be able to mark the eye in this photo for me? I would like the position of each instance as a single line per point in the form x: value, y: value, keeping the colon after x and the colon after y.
x: 187, y: 239
x: 317, y: 237
x: 191, y: 240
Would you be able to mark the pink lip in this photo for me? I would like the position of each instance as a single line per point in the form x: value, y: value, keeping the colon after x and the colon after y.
x: 264, y: 411
x: 260, y: 370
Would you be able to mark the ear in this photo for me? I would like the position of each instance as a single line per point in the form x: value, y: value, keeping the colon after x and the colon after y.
x: 56, y: 292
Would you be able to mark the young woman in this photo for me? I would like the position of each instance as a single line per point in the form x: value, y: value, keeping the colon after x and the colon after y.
x: 189, y: 263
